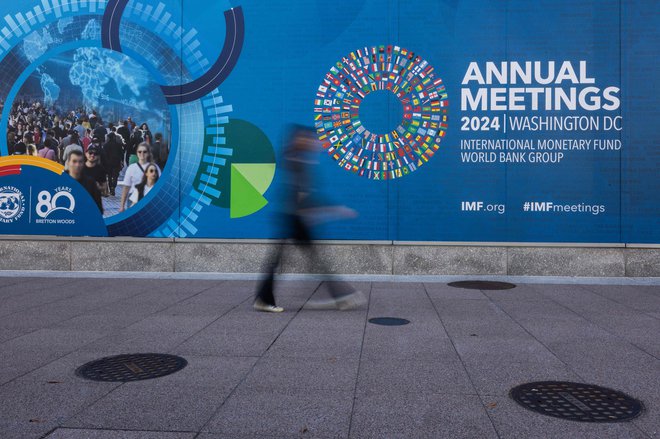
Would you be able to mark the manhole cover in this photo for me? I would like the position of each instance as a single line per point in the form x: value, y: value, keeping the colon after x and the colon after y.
x: 576, y: 402
x: 389, y: 321
x: 131, y: 367
x: 482, y: 285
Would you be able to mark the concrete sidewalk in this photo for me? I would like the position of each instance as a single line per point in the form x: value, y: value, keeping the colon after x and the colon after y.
x: 319, y: 374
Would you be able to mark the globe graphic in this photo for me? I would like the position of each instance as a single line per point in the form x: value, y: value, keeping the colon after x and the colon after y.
x: 92, y: 78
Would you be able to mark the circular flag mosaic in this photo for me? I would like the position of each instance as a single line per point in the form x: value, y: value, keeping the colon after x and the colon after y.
x: 416, y: 138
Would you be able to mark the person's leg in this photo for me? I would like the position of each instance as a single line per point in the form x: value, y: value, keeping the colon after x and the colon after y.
x: 343, y: 295
x: 265, y: 297
x: 265, y: 290
x: 112, y: 180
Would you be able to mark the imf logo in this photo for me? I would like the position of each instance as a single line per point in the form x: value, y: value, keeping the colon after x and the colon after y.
x: 12, y: 204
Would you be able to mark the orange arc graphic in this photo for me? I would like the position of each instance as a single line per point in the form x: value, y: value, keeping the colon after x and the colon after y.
x: 39, y: 162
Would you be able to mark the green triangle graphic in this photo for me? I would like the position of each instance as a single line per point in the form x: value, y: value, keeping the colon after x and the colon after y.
x: 259, y: 175
x: 245, y: 198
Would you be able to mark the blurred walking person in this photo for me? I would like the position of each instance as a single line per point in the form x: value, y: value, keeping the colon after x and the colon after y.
x: 301, y: 212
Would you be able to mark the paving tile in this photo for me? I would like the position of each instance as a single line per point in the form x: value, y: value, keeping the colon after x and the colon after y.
x: 485, y: 327
x: 38, y: 318
x: 31, y: 407
x: 12, y: 286
x: 648, y: 421
x: 403, y: 299
x: 132, y: 308
x: 226, y: 344
x: 497, y: 348
x: 31, y: 351
x: 221, y: 294
x: 72, y: 433
x: 611, y: 352
x: 8, y: 281
x: 168, y: 324
x: 298, y: 374
x: 408, y: 341
x: 99, y: 321
x: 641, y: 298
x: 21, y: 302
x: 411, y: 286
x: 522, y: 292
x: 7, y: 334
x: 444, y: 291
x: 457, y: 309
x: 444, y: 375
x: 328, y: 319
x: 253, y: 436
x: 197, y: 309
x: 335, y: 343
x: 498, y: 376
x: 240, y: 333
x: 420, y: 415
x: 541, y: 309
x: 128, y: 341
x: 550, y: 330
x: 183, y: 401
x: 307, y: 413
x: 634, y: 326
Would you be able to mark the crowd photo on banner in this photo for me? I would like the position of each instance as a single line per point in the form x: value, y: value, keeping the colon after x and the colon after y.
x: 122, y: 158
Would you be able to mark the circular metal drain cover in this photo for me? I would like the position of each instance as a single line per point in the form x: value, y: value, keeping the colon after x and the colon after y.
x: 576, y: 402
x: 131, y: 367
x: 389, y: 321
x: 482, y: 285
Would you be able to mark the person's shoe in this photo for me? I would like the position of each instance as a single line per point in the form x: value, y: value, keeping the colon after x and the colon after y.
x: 343, y: 303
x: 260, y: 305
x: 351, y: 301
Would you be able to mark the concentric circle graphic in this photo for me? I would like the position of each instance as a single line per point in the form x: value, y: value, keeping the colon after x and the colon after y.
x: 381, y: 156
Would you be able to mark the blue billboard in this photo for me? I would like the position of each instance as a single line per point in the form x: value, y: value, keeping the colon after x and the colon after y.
x: 451, y: 120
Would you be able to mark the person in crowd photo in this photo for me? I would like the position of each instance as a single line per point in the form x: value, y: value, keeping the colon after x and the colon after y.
x: 11, y: 141
x: 159, y: 151
x: 94, y: 169
x: 131, y: 150
x: 71, y: 147
x: 134, y: 174
x: 125, y: 132
x: 112, y: 155
x: 80, y: 128
x: 32, y: 150
x: 93, y: 119
x: 146, y: 134
x: 75, y: 165
x: 20, y: 148
x: 100, y: 131
x: 49, y: 150
x: 87, y: 140
x: 149, y: 180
